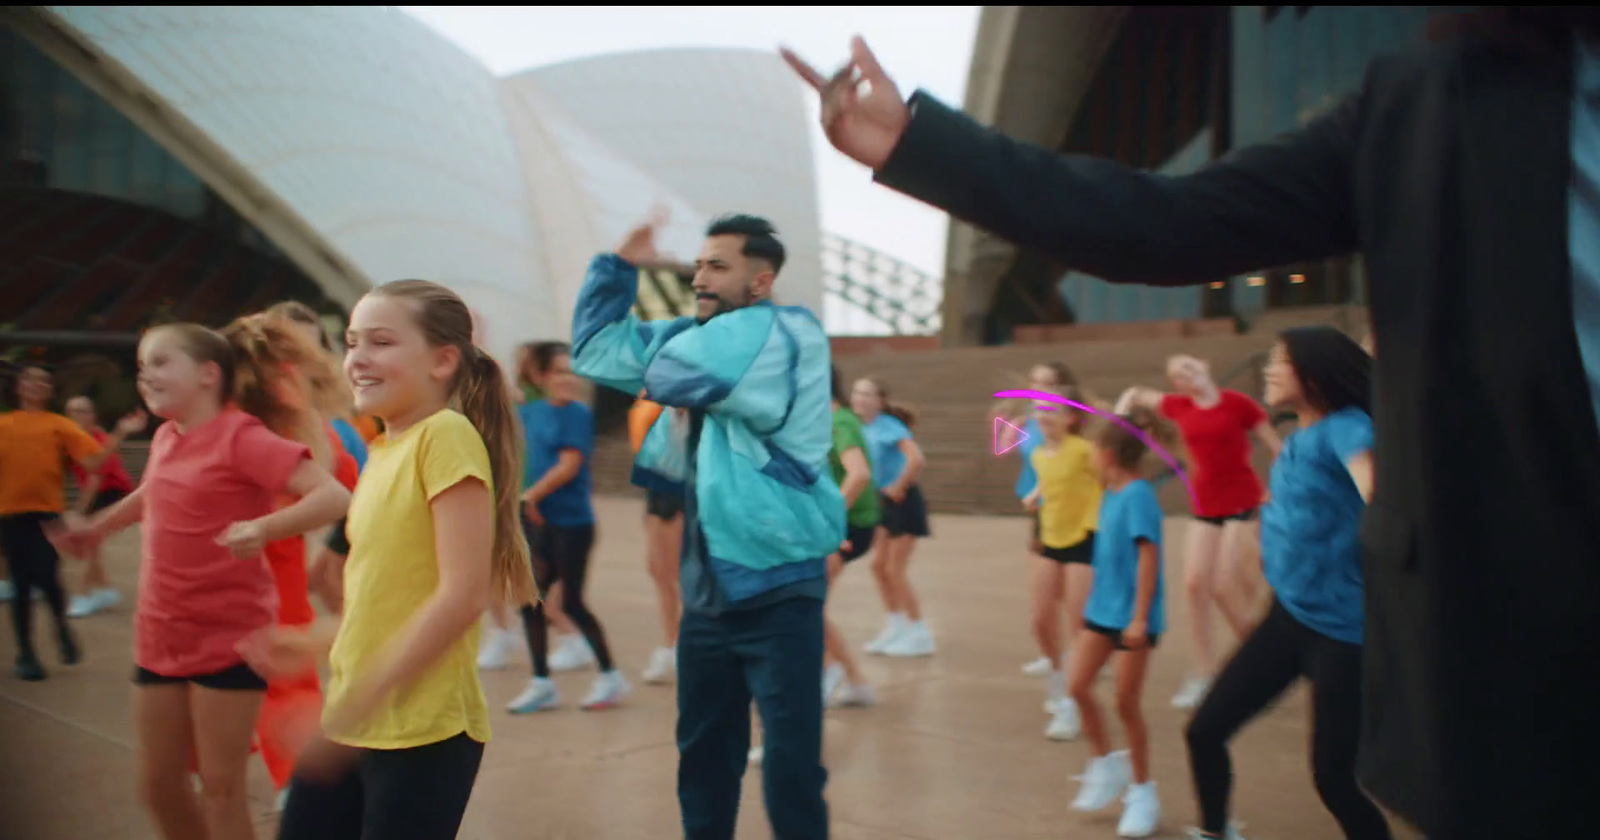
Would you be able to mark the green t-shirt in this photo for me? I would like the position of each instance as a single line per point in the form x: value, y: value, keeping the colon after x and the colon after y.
x: 847, y: 435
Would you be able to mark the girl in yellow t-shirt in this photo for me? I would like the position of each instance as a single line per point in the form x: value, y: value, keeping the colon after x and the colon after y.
x: 434, y: 535
x: 1067, y: 499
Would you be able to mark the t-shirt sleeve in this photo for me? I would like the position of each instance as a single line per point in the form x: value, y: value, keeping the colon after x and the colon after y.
x: 269, y: 460
x: 1349, y: 434
x: 1250, y: 412
x: 848, y: 436
x: 78, y: 443
x: 576, y: 430
x: 1144, y: 515
x: 451, y: 453
x: 891, y: 431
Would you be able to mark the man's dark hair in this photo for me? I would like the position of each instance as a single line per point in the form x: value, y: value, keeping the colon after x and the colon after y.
x: 760, y: 237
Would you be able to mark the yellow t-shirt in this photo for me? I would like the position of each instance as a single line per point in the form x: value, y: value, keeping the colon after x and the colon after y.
x: 1069, y: 492
x: 392, y: 569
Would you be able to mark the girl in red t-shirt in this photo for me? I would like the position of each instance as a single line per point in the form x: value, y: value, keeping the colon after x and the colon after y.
x: 97, y: 491
x: 1216, y: 425
x: 209, y: 504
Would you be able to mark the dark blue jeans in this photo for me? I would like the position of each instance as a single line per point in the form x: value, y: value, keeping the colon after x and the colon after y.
x: 772, y: 655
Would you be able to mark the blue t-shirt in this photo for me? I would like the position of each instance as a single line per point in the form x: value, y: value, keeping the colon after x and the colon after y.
x: 548, y: 429
x: 1126, y: 517
x: 1310, y: 531
x: 1032, y: 437
x: 883, y: 442
x: 351, y: 440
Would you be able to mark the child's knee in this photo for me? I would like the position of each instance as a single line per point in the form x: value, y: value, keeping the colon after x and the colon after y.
x: 222, y: 786
x: 1129, y: 706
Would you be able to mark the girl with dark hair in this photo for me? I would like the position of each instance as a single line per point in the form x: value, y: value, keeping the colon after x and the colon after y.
x: 34, y: 445
x: 1311, y: 555
x: 896, y: 465
x: 558, y: 519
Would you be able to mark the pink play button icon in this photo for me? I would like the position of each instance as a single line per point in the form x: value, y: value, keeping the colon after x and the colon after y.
x: 1007, y: 436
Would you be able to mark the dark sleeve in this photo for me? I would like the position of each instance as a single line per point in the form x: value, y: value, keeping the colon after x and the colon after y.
x: 338, y: 542
x: 1283, y: 201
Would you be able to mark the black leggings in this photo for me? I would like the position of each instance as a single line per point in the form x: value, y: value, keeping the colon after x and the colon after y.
x: 418, y: 793
x: 561, y: 553
x: 34, y: 564
x: 1280, y: 651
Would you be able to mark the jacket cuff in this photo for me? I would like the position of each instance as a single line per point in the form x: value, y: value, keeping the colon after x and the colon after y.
x: 934, y: 156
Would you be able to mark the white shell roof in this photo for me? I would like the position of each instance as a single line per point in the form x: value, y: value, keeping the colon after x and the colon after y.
x: 410, y: 159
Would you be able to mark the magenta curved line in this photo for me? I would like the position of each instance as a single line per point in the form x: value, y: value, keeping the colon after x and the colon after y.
x: 1045, y: 396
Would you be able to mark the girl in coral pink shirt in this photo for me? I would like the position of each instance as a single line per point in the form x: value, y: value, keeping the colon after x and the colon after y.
x: 208, y: 504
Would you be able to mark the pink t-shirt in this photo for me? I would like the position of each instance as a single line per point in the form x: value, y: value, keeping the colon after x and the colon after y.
x: 197, y: 600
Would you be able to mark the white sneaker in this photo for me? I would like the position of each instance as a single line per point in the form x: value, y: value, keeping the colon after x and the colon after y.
x: 1191, y: 693
x: 1231, y: 834
x: 283, y: 799
x: 755, y: 755
x: 1103, y: 781
x: 1141, y: 811
x: 496, y: 648
x: 572, y: 654
x: 856, y: 695
x: 663, y: 666
x: 833, y: 677
x: 915, y: 640
x: 891, y: 631
x: 1038, y: 667
x: 89, y: 603
x: 608, y: 690
x: 540, y: 695
x: 1065, y: 725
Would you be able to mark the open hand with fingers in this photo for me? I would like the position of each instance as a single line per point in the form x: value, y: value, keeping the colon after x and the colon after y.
x: 863, y: 113
x: 638, y: 248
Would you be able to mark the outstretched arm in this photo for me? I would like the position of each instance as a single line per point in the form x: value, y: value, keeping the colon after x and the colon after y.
x: 610, y: 345
x: 1278, y: 202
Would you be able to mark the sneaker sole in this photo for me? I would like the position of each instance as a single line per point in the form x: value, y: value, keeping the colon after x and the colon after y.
x: 523, y: 710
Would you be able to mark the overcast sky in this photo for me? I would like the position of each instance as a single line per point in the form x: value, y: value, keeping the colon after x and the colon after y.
x: 927, y: 47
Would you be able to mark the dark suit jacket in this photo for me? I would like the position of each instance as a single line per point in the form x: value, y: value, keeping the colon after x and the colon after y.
x: 1449, y: 172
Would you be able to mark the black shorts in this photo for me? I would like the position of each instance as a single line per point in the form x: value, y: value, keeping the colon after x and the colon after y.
x: 238, y: 678
x: 105, y: 499
x: 338, y: 540
x: 1242, y: 516
x: 907, y: 517
x: 663, y: 506
x: 1115, y: 635
x: 860, y: 541
x: 1082, y: 552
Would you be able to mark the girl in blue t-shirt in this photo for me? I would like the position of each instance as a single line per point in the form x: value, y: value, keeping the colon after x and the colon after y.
x: 1126, y: 611
x: 896, y: 465
x: 1311, y: 556
x: 558, y: 519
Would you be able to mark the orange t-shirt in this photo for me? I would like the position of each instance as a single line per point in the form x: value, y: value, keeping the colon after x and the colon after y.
x: 367, y: 426
x: 641, y: 417
x: 34, y: 449
x: 197, y: 600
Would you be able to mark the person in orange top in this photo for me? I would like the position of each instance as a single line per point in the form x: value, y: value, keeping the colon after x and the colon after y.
x: 663, y: 526
x: 34, y: 445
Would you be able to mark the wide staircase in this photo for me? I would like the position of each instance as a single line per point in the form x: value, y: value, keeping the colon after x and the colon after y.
x: 952, y: 392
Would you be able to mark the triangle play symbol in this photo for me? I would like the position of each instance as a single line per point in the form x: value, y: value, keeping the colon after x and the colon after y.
x: 1001, y: 446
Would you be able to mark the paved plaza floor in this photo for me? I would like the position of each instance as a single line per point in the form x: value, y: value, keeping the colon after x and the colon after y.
x: 954, y: 750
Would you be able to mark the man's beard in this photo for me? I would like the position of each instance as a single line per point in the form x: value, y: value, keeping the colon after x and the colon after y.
x: 723, y: 304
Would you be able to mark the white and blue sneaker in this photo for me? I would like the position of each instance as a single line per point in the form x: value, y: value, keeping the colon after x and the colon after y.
x: 540, y: 695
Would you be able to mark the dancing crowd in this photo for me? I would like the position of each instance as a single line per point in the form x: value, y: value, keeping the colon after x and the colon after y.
x: 468, y: 495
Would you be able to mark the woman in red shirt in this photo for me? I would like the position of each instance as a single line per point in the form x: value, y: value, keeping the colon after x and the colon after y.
x: 96, y: 492
x: 1216, y: 425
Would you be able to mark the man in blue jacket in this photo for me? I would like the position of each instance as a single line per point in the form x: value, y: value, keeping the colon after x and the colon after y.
x: 750, y: 457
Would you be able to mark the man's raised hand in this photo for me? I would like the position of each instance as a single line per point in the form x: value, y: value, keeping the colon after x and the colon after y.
x: 639, y: 246
x: 863, y: 113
